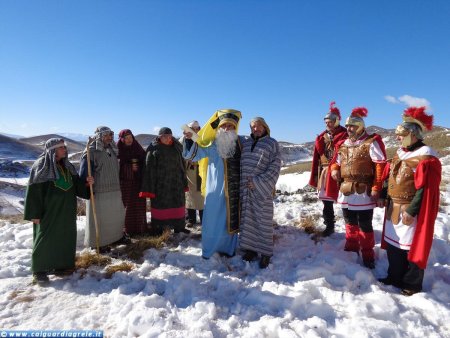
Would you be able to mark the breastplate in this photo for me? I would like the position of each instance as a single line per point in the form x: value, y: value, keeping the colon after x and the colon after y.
x: 401, y: 186
x: 356, y: 164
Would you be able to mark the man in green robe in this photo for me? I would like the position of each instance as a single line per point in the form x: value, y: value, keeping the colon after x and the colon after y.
x: 51, y: 205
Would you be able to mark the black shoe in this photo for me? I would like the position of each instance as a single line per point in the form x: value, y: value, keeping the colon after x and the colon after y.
x: 184, y: 230
x: 40, y: 278
x: 250, y: 256
x: 155, y: 232
x: 386, y: 281
x: 369, y: 264
x: 264, y: 262
x: 63, y: 272
x: 409, y: 292
x: 328, y: 231
x: 223, y: 254
x: 124, y: 240
x: 104, y: 249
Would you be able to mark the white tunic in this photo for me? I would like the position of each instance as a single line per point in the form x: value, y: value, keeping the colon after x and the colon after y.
x: 401, y: 235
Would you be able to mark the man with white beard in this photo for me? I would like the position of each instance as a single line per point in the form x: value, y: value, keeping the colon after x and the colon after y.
x: 218, y: 149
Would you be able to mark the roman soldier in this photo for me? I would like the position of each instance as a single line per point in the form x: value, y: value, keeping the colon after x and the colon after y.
x: 358, y: 167
x: 412, y: 181
x: 323, y: 153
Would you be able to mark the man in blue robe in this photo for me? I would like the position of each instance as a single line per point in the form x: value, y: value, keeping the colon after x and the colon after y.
x: 219, y: 143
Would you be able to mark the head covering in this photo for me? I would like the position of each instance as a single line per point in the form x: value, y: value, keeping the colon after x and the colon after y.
x: 44, y: 168
x: 102, y: 131
x: 126, y: 153
x: 356, y: 118
x: 334, y: 114
x: 194, y: 124
x: 415, y: 121
x: 262, y: 121
x: 208, y: 133
x: 98, y: 144
x: 165, y: 131
x: 418, y: 116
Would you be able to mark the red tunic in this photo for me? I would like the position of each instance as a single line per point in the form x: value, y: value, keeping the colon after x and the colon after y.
x: 339, y: 134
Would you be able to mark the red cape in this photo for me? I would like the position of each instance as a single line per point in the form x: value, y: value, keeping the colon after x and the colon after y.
x: 340, y: 133
x: 428, y: 177
x: 332, y: 187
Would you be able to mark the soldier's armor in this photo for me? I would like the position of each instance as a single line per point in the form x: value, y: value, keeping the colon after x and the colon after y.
x: 328, y: 153
x: 357, y: 168
x: 401, y: 187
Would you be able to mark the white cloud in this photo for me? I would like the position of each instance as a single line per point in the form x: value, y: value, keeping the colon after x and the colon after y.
x: 156, y: 130
x: 409, y: 101
x: 412, y: 101
x: 390, y: 99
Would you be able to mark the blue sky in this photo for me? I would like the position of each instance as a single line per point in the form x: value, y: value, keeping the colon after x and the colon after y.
x: 69, y: 66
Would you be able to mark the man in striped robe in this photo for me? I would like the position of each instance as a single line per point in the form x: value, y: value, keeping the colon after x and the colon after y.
x: 108, y: 197
x: 260, y: 168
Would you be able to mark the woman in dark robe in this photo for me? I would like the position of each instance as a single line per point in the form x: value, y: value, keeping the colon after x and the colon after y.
x: 165, y: 183
x: 51, y: 204
x: 132, y: 160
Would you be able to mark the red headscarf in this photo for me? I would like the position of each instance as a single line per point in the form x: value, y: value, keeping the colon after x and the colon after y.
x: 126, y: 153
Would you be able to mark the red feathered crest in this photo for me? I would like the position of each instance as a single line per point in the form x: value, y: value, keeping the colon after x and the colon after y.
x: 418, y: 114
x: 335, y: 110
x: 359, y: 112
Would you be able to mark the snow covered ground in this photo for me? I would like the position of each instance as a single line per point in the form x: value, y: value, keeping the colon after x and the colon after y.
x: 311, y: 289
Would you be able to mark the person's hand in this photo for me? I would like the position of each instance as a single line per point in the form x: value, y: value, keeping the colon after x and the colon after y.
x: 381, y: 203
x: 336, y: 175
x: 407, y: 219
x: 187, y: 135
x: 135, y: 167
x: 36, y: 220
x: 374, y: 195
x: 250, y: 183
x: 90, y: 180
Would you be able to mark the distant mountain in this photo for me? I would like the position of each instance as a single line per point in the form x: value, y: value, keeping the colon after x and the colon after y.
x: 438, y: 139
x: 76, y: 137
x: 11, y: 135
x: 295, y: 153
x: 13, y: 149
x: 39, y: 141
x: 145, y: 139
x: 30, y: 147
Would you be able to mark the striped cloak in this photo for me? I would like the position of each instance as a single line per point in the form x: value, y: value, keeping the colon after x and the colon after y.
x: 260, y: 162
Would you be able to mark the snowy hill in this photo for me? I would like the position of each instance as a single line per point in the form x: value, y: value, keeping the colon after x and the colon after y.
x: 311, y: 288
x: 72, y: 145
x: 13, y: 149
x: 295, y: 153
x: 145, y: 139
x: 76, y: 137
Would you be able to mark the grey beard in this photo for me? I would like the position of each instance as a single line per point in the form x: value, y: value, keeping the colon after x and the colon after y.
x: 226, y: 143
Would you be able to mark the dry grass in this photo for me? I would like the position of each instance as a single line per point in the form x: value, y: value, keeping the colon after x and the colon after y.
x: 297, y: 168
x: 112, y: 269
x: 135, y: 250
x: 308, y: 223
x: 309, y: 198
x: 18, y: 297
x: 87, y: 259
x: 13, y: 219
x: 439, y: 142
